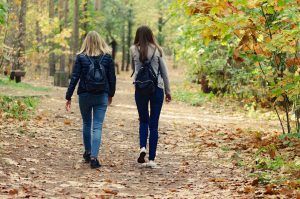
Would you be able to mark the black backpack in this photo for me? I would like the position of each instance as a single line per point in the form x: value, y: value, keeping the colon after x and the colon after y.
x: 146, y: 80
x: 95, y: 79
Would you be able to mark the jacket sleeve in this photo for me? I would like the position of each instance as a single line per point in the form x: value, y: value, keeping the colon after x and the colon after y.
x: 164, y: 75
x: 111, y: 77
x: 74, y: 79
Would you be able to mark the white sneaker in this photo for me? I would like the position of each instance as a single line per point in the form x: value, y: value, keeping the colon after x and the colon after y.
x: 141, y: 158
x: 152, y: 164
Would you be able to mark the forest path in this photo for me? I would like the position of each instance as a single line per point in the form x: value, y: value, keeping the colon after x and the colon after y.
x: 43, y: 157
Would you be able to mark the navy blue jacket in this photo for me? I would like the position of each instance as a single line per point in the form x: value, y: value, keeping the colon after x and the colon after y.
x: 80, y: 70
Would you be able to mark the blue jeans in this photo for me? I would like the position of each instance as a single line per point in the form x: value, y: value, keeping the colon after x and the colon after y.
x: 96, y: 104
x: 149, y: 122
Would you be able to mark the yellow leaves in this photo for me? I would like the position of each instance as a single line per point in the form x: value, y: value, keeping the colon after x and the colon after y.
x: 260, y: 38
x: 62, y: 37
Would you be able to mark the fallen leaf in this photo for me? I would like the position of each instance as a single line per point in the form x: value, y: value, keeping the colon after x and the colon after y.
x: 217, y: 180
x: 270, y: 190
x: 286, y: 191
x: 249, y: 189
x: 67, y: 122
x: 113, y: 192
x: 13, y: 192
x: 255, y: 182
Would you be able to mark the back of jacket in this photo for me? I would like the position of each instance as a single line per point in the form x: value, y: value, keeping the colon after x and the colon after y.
x: 81, y: 68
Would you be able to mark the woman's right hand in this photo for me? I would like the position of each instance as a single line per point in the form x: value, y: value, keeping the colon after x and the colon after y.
x: 68, y: 105
x: 168, y: 98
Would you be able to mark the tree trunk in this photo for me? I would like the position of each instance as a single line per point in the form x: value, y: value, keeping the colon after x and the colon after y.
x: 76, y: 27
x: 123, y: 47
x: 75, y: 31
x: 19, y: 58
x: 61, y: 77
x: 51, y: 61
x: 85, y: 18
x: 129, y: 36
x: 97, y: 5
x: 63, y: 16
x: 39, y: 39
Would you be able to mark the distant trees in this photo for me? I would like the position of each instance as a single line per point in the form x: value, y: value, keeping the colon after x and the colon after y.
x: 56, y: 28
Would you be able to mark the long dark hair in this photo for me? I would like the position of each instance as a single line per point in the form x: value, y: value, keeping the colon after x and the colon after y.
x: 143, y: 38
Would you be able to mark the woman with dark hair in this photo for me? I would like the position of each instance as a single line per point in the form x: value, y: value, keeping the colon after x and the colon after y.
x: 146, y: 49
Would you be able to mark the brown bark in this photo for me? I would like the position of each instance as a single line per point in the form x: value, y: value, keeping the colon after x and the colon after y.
x: 76, y: 28
x: 63, y: 16
x: 19, y: 48
x: 97, y: 5
x: 52, y: 61
x: 85, y: 18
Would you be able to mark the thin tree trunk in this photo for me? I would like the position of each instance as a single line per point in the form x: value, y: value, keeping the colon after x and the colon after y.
x: 97, y: 5
x: 281, y: 124
x: 63, y: 16
x: 129, y: 36
x: 51, y: 61
x: 286, y: 99
x: 19, y: 60
x: 123, y: 47
x: 85, y: 18
x: 76, y: 29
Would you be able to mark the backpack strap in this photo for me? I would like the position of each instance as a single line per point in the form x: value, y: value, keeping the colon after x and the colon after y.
x: 102, y: 56
x: 89, y: 59
x: 153, y: 54
x: 132, y: 61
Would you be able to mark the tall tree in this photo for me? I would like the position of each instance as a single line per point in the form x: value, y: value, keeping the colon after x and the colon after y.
x: 129, y: 35
x: 123, y: 45
x: 52, y: 61
x: 85, y: 23
x: 19, y: 47
x: 63, y: 16
x: 76, y: 28
x: 61, y: 77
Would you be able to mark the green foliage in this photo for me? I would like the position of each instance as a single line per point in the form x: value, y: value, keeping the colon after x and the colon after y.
x: 21, y: 86
x: 19, y: 108
x: 194, y: 98
x: 3, y: 11
x: 244, y: 47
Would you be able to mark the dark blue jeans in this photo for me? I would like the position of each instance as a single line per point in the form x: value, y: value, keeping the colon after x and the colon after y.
x: 96, y: 104
x: 149, y: 122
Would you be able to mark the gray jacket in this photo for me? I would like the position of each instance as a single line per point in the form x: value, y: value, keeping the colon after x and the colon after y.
x: 163, y: 78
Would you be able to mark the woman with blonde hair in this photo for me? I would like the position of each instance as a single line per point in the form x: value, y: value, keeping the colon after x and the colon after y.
x: 94, y: 68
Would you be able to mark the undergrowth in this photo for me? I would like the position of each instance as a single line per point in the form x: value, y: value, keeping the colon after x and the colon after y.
x: 21, y: 86
x: 18, y: 108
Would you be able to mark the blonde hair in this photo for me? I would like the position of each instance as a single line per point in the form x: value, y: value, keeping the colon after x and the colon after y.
x: 94, y: 45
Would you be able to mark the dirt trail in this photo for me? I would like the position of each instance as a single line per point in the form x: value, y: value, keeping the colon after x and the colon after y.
x: 43, y: 157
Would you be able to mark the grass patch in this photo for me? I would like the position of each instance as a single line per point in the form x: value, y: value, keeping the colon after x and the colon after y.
x: 191, y: 94
x: 21, y: 86
x: 18, y: 108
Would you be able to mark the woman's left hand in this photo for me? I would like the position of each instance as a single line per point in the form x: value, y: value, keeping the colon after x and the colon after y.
x: 168, y: 98
x: 68, y: 105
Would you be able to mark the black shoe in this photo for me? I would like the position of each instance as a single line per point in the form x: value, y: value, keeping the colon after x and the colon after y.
x: 141, y: 159
x: 87, y: 157
x: 95, y: 164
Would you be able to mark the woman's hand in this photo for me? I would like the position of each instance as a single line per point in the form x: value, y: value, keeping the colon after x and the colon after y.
x: 109, y: 101
x: 68, y: 105
x: 168, y: 98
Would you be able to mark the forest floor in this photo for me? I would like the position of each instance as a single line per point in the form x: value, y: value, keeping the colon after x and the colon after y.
x: 199, y: 152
